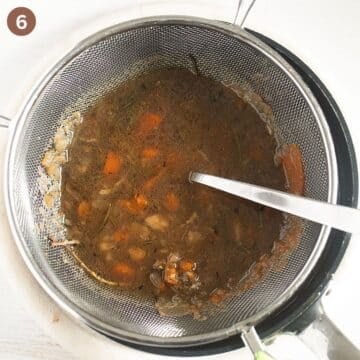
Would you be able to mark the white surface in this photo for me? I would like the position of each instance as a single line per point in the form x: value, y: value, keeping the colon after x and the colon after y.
x: 324, y: 35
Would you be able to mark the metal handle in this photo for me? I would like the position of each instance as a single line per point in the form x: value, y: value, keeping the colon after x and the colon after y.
x: 337, y: 216
x: 323, y: 330
x: 242, y: 11
x: 253, y: 342
x: 4, y: 122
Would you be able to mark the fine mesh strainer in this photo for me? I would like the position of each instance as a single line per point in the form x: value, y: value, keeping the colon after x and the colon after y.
x: 224, y: 53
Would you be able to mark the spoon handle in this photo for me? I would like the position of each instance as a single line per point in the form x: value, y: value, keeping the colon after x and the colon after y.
x: 337, y: 216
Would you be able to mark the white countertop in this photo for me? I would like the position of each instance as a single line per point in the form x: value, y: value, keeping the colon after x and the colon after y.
x: 325, y: 35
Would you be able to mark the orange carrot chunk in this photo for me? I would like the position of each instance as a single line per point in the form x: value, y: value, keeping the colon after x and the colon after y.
x: 129, y: 206
x: 172, y: 202
x: 112, y: 164
x: 120, y: 236
x: 134, y: 206
x: 292, y: 163
x: 217, y: 296
x: 150, y: 153
x: 84, y: 209
x: 148, y: 123
x: 141, y: 201
x: 186, y: 265
x: 124, y: 271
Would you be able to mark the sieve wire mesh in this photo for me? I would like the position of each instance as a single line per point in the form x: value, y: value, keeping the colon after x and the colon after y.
x: 102, y: 66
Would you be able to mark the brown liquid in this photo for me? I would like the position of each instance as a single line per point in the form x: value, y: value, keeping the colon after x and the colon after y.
x: 159, y: 127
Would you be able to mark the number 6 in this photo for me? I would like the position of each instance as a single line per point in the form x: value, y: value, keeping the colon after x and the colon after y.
x: 21, y: 22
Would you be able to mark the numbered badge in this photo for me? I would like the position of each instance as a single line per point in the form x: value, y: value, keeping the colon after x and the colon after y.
x: 21, y: 21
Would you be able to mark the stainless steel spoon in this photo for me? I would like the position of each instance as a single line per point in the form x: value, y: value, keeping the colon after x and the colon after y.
x: 337, y: 216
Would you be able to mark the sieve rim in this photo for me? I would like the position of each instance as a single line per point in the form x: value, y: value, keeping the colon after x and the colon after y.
x: 65, y: 303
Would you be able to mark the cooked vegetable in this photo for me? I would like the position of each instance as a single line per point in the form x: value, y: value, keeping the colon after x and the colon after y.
x: 186, y: 265
x: 147, y: 123
x: 217, y: 296
x: 136, y: 253
x: 84, y: 209
x: 106, y: 246
x: 150, y: 153
x: 113, y: 163
x: 135, y: 205
x: 141, y: 201
x: 157, y: 222
x: 120, y: 236
x: 124, y: 271
x: 172, y: 202
x: 171, y: 274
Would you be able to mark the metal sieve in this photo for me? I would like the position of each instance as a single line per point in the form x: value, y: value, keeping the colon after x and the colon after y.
x: 223, y: 52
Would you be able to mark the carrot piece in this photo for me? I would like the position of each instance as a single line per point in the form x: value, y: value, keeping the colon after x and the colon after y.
x: 113, y: 163
x: 120, y: 236
x: 137, y: 254
x: 153, y: 181
x: 141, y: 201
x: 216, y: 299
x: 217, y: 296
x: 124, y: 271
x: 136, y: 205
x: 150, y: 153
x: 292, y: 163
x: 147, y: 123
x: 130, y: 206
x: 172, y: 202
x: 186, y: 265
x: 84, y: 209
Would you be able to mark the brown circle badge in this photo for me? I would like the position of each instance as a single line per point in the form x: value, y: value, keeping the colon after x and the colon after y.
x: 21, y: 21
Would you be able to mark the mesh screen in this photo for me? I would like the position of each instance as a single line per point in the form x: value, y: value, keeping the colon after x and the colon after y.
x: 106, y: 64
